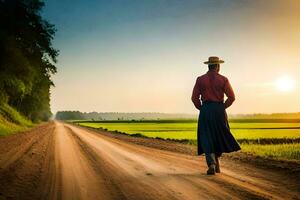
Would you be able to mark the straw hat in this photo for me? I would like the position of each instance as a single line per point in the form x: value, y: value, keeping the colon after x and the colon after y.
x: 213, y: 60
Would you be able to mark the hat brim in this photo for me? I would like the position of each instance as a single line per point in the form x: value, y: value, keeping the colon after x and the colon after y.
x: 218, y: 62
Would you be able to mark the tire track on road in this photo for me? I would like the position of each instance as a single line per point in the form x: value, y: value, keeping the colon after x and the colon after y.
x: 21, y: 177
x: 78, y: 179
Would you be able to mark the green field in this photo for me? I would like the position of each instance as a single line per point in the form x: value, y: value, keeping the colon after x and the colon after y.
x: 187, y: 130
x: 180, y: 129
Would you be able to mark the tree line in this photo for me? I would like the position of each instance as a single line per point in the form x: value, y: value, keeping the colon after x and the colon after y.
x: 77, y: 115
x: 27, y: 58
x: 239, y: 118
x: 69, y: 115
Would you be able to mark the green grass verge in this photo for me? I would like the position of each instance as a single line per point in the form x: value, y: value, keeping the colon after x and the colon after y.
x: 12, y: 121
x: 277, y: 151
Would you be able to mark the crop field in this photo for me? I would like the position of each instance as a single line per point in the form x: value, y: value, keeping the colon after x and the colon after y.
x: 278, y: 139
x: 187, y: 130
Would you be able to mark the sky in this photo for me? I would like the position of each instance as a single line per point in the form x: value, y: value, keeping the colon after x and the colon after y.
x: 145, y: 55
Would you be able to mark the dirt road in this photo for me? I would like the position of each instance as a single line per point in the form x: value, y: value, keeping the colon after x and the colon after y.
x: 62, y: 161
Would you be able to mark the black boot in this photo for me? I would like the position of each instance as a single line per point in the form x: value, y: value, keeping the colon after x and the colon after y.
x: 211, y: 170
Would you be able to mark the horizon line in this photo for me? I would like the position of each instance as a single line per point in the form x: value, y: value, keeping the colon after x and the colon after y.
x: 176, y: 113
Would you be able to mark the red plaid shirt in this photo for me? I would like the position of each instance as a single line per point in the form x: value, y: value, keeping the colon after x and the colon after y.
x: 211, y: 87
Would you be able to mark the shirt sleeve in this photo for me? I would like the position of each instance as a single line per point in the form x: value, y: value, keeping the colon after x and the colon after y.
x: 229, y: 93
x: 196, y: 95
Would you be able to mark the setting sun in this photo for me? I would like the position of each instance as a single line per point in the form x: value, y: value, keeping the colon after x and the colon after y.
x: 285, y: 83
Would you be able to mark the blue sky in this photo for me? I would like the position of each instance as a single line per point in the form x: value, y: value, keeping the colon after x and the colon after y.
x: 144, y: 55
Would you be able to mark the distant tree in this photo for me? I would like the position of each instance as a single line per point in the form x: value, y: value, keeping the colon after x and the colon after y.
x: 27, y: 58
x: 69, y: 115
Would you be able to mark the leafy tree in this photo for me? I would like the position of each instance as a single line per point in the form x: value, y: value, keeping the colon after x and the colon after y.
x: 27, y: 58
x: 69, y: 115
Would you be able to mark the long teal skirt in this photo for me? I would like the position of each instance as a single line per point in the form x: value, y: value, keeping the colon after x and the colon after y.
x: 213, y: 133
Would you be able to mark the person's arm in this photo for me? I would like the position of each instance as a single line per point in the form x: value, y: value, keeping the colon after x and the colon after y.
x: 229, y: 93
x: 196, y: 95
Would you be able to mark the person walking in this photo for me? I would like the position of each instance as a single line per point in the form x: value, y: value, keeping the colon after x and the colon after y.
x: 213, y: 133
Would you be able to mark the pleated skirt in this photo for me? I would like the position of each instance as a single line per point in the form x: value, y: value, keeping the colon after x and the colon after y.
x: 213, y: 132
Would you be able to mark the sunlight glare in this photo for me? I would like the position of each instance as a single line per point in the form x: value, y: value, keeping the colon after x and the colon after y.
x: 285, y: 84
